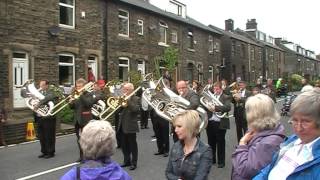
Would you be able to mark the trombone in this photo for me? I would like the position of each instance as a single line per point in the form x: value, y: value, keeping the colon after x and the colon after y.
x: 114, y: 103
x: 73, y: 96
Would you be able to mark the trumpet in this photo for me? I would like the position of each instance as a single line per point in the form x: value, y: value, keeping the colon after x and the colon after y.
x: 73, y: 96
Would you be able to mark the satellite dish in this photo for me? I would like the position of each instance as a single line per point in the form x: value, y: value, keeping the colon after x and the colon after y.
x: 54, y: 30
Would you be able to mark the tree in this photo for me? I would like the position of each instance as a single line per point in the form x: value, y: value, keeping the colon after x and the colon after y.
x: 169, y: 60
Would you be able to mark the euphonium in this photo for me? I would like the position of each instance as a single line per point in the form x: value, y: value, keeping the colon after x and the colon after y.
x: 209, y: 100
x: 168, y: 104
x: 32, y: 97
x: 73, y: 96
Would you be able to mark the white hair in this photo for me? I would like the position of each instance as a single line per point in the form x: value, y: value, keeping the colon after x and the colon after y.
x: 261, y: 112
x: 98, y: 140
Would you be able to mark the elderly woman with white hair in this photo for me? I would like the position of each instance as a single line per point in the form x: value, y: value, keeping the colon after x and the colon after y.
x: 190, y: 158
x: 265, y: 134
x: 299, y: 156
x: 98, y: 143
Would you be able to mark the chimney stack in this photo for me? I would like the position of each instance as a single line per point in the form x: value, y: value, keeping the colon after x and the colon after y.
x: 229, y: 25
x: 251, y: 24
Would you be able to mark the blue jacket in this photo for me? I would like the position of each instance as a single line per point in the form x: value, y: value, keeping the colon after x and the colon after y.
x: 109, y: 170
x: 195, y: 166
x: 307, y: 171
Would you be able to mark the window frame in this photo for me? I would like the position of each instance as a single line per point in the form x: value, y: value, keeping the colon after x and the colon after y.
x: 73, y: 14
x: 124, y: 66
x: 140, y: 25
x: 128, y: 22
x: 68, y: 65
x: 165, y: 27
x: 174, y: 33
x: 211, y: 44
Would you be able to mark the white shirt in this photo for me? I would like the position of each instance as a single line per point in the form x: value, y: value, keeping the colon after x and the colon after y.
x: 214, y: 117
x: 295, y: 154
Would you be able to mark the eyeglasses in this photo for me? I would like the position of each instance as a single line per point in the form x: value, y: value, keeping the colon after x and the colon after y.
x: 303, y: 123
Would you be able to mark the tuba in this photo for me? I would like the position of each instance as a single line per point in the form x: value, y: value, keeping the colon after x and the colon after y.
x: 209, y: 100
x: 32, y: 97
x: 168, y: 104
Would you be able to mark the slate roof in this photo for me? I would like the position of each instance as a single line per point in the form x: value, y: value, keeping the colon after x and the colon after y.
x: 235, y: 36
x: 188, y: 20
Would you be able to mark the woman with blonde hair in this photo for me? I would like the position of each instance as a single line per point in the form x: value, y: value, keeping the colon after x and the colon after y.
x: 263, y: 138
x: 190, y: 158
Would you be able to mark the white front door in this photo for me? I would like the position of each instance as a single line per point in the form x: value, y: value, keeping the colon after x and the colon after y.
x: 19, y: 77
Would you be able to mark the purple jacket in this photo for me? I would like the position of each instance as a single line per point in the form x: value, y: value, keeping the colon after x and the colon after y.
x: 248, y: 160
x: 110, y: 171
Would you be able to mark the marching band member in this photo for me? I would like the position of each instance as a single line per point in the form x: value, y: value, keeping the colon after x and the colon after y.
x: 217, y: 127
x: 161, y: 130
x: 188, y: 94
x: 46, y: 125
x: 82, y: 110
x: 190, y: 158
x: 270, y: 90
x: 239, y: 100
x: 128, y: 124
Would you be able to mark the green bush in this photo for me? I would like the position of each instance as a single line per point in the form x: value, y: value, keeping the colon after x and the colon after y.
x: 295, y: 82
x: 66, y: 114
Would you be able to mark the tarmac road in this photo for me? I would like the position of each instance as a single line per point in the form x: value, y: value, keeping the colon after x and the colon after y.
x: 21, y: 161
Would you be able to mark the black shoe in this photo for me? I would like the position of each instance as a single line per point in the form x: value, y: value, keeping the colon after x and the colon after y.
x: 133, y: 167
x: 158, y: 153
x: 42, y: 156
x: 48, y: 156
x: 125, y: 165
x: 221, y: 165
x: 165, y: 154
x: 153, y: 136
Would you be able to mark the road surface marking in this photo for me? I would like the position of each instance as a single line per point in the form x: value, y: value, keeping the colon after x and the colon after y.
x: 48, y: 171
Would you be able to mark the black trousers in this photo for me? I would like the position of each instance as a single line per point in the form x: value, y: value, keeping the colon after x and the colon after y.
x: 216, y: 140
x: 47, y: 134
x: 241, y: 122
x: 129, y: 148
x: 161, y: 129
x: 78, y: 128
x: 144, y: 118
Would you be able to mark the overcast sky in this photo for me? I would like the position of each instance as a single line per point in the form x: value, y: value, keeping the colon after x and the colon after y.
x: 295, y: 20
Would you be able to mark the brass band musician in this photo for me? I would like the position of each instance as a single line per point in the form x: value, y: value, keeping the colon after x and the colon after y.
x: 239, y: 99
x: 217, y: 126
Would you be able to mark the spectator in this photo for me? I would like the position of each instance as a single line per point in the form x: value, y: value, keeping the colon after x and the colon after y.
x: 190, y: 158
x: 306, y: 85
x: 98, y: 143
x: 263, y: 138
x: 299, y: 156
x: 91, y: 77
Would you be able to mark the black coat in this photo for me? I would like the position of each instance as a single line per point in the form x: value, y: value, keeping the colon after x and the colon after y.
x: 82, y: 108
x: 226, y: 101
x: 128, y: 120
